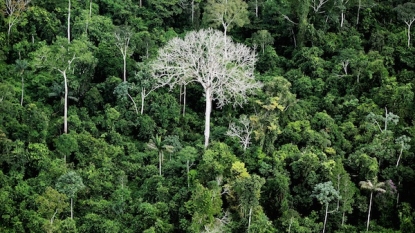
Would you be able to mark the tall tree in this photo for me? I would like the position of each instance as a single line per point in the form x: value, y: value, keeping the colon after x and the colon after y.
x: 248, y: 189
x: 14, y: 9
x: 64, y: 58
x: 225, y: 13
x: 157, y: 144
x: 70, y: 184
x: 325, y: 193
x: 263, y: 37
x: 199, y: 57
x: 406, y: 13
x: 123, y: 36
x: 374, y: 186
x: 144, y: 81
x: 21, y: 66
x: 403, y: 143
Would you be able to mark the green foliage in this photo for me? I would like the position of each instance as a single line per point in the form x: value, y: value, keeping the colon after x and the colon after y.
x: 69, y: 184
x: 336, y: 105
x: 226, y: 13
x: 325, y: 193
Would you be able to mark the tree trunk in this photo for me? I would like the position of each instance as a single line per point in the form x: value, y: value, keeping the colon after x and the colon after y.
x: 71, y: 208
x: 65, y: 106
x: 143, y: 96
x: 53, y: 217
x: 325, y: 217
x: 160, y: 161
x: 342, y: 19
x: 249, y: 219
x: 89, y: 18
x: 256, y: 8
x: 289, y: 227
x: 69, y: 21
x: 343, y: 217
x: 184, y: 100
x: 295, y: 41
x: 225, y: 29
x: 135, y: 106
x: 21, y: 99
x: 399, y: 158
x: 368, y: 215
x: 124, y: 57
x: 147, y: 54
x: 409, y: 35
x: 8, y: 31
x: 207, y: 115
x: 187, y: 170
x: 193, y: 11
x: 358, y: 12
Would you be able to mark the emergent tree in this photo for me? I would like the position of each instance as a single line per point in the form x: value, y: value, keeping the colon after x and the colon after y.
x: 199, y: 57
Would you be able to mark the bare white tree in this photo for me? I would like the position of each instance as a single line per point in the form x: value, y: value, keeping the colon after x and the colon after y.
x: 200, y: 58
x: 242, y: 131
x: 123, y: 37
x: 14, y: 9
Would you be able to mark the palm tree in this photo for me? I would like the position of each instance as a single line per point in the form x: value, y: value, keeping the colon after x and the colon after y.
x: 156, y: 143
x: 372, y: 187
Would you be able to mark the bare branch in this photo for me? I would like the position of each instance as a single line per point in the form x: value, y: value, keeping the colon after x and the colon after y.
x: 289, y: 20
x: 317, y: 4
x: 242, y: 131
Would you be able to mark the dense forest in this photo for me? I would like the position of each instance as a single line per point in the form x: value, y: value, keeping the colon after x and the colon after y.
x: 207, y: 116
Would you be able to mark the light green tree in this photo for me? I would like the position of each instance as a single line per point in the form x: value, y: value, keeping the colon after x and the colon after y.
x: 51, y: 204
x: 248, y: 188
x: 325, y: 193
x: 263, y: 38
x: 70, y: 184
x: 403, y: 143
x: 226, y: 13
